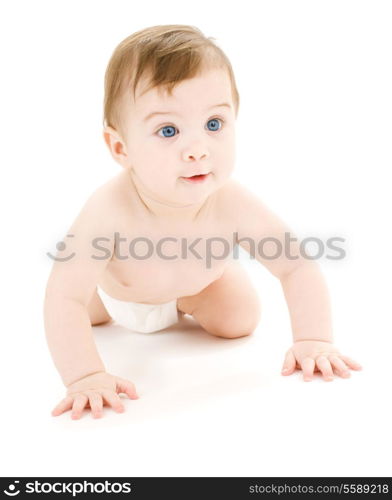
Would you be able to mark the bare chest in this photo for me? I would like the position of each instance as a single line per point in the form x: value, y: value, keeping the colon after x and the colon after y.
x: 156, y: 262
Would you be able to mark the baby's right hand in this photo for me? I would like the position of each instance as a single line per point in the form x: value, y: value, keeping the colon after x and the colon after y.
x: 94, y: 391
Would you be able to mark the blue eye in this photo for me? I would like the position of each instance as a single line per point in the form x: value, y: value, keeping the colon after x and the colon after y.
x: 215, y: 122
x: 169, y: 130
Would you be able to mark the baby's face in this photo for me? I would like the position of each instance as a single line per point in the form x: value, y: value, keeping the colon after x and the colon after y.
x: 194, y: 135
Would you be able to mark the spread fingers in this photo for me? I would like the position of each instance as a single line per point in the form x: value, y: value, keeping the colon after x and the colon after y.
x: 113, y: 400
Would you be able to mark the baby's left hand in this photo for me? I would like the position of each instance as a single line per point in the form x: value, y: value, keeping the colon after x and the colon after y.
x: 310, y: 355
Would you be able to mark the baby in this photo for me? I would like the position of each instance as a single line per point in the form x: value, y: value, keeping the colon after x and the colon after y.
x: 158, y: 240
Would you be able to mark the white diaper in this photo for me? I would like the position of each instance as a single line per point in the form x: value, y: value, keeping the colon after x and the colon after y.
x: 145, y: 318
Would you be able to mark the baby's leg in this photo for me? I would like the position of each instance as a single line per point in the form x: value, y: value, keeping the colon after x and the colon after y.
x: 229, y: 307
x: 96, y: 310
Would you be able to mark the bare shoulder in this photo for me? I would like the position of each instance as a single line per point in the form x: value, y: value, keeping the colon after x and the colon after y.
x: 90, y: 232
x: 107, y: 199
x: 98, y: 213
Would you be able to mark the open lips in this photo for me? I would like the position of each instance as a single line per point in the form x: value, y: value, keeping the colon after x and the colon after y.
x: 196, y: 178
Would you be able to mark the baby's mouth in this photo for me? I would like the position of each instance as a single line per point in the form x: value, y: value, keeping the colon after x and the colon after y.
x: 196, y: 178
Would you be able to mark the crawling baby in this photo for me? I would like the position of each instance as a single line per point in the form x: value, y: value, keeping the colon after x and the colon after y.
x: 159, y: 240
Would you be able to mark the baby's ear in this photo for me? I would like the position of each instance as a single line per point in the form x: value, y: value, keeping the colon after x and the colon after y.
x: 115, y: 144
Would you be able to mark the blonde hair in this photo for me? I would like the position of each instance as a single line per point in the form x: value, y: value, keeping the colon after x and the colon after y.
x: 167, y: 54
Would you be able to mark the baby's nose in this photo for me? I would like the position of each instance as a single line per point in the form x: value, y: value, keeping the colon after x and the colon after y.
x: 195, y: 154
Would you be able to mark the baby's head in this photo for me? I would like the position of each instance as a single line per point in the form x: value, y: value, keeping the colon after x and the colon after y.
x: 173, y: 69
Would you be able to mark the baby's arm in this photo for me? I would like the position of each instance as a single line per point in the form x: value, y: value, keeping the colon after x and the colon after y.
x: 67, y: 324
x: 303, y: 285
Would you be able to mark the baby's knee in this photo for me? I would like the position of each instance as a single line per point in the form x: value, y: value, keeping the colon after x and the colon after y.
x: 230, y: 334
x: 236, y: 323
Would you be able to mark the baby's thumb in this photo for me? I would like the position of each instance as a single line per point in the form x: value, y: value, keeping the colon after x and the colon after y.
x: 289, y: 363
x: 127, y: 387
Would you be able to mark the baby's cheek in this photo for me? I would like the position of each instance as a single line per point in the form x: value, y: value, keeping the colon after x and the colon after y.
x: 224, y: 171
x: 153, y: 174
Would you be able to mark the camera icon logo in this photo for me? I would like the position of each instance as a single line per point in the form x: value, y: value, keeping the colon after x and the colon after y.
x: 12, y: 487
x: 61, y: 246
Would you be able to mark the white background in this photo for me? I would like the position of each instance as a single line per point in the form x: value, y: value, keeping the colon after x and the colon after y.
x: 313, y: 141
